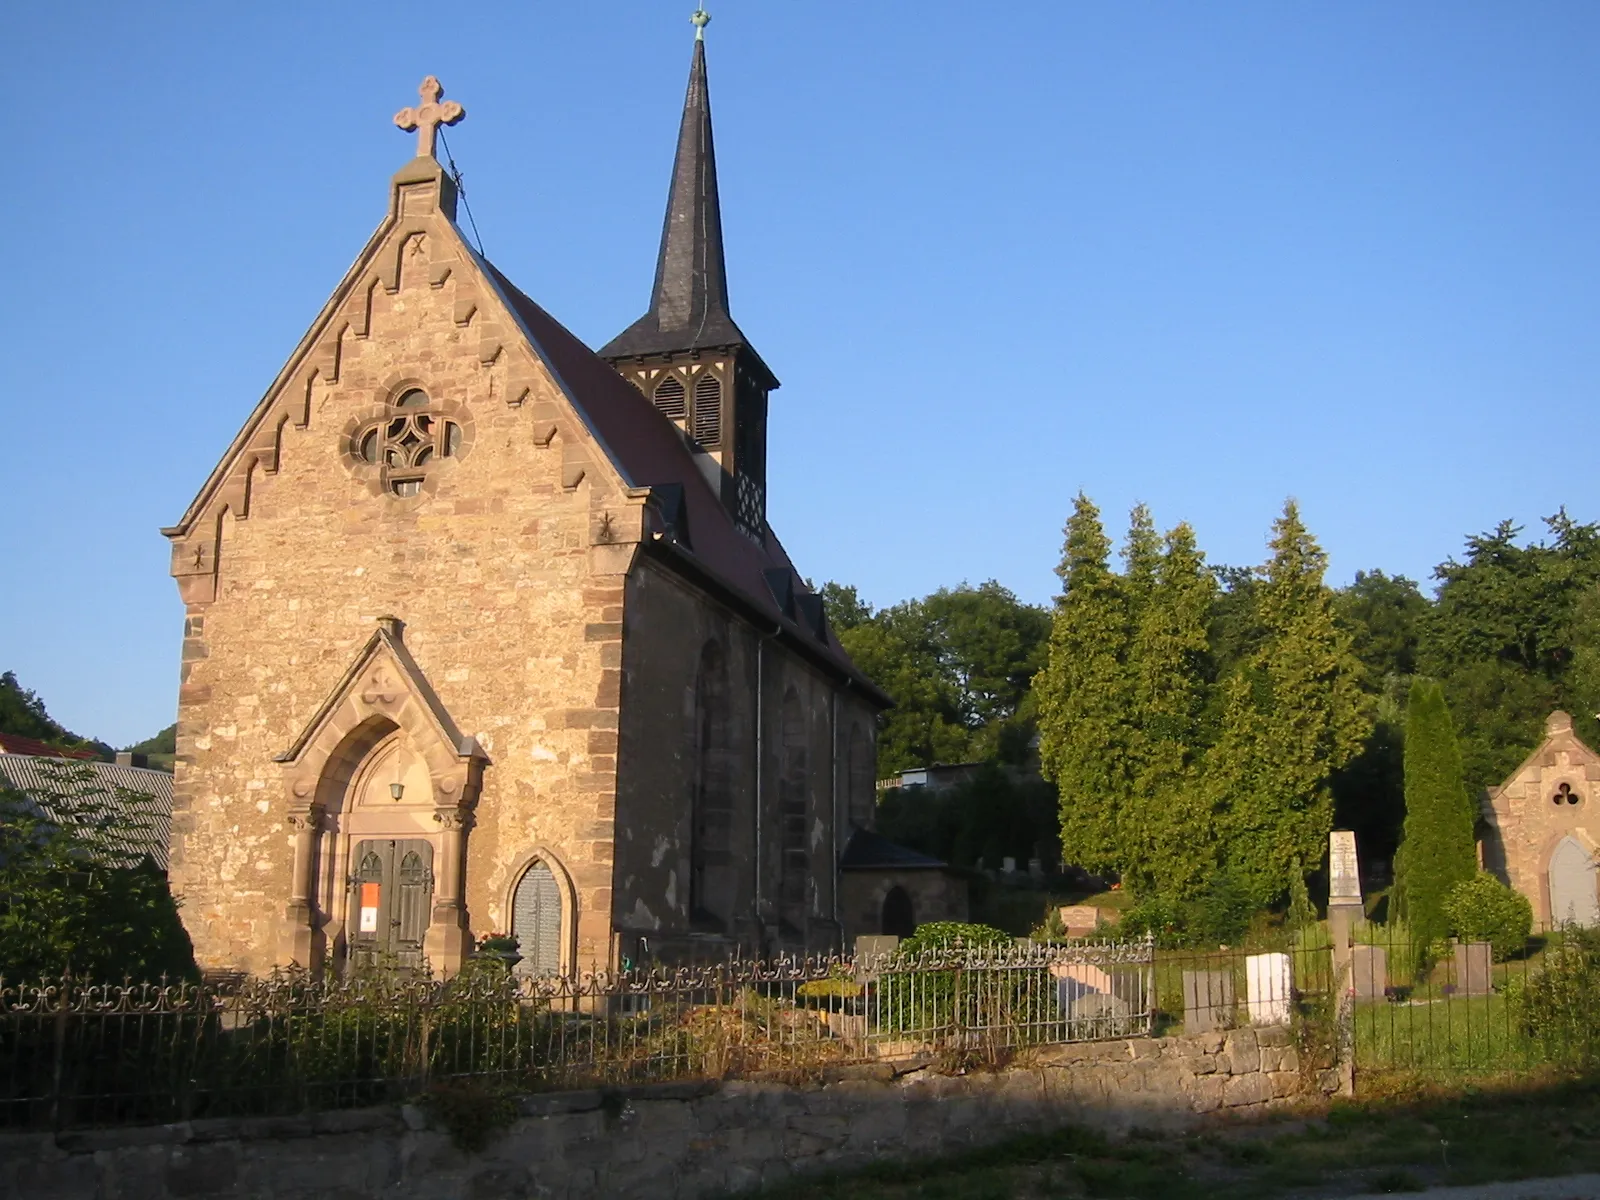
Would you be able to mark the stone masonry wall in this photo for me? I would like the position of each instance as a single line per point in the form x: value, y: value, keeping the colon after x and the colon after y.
x: 512, y: 608
x: 670, y: 1140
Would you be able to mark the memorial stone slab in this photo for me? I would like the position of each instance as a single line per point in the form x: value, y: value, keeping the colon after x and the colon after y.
x: 1269, y: 983
x: 1207, y: 1000
x: 1344, y: 870
x: 1369, y: 971
x: 1080, y: 920
x: 1474, y: 963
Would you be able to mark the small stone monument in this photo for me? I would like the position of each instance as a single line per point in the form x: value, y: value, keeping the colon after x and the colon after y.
x: 1207, y: 1000
x: 873, y: 946
x: 1344, y: 900
x: 1369, y: 971
x: 1474, y: 968
x: 1080, y: 920
x: 1269, y: 981
x: 1344, y: 876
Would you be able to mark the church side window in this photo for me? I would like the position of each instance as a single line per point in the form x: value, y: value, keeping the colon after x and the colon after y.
x: 536, y: 921
x: 711, y: 803
x: 859, y: 779
x: 403, y: 444
x: 795, y: 863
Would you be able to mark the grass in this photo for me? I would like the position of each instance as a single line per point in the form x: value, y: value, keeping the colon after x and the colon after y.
x: 1405, y: 1139
x: 1472, y: 1033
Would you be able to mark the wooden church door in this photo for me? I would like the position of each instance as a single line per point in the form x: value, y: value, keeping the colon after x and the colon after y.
x: 391, y: 902
x: 1572, y: 886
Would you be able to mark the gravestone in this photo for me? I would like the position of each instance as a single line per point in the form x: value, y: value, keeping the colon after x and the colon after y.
x: 1344, y: 869
x: 1370, y: 970
x: 1207, y: 1000
x: 1474, y: 973
x: 1081, y: 920
x: 1269, y: 984
x: 876, y: 945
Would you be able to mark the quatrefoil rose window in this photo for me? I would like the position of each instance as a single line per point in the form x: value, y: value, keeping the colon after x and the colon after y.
x: 410, y: 438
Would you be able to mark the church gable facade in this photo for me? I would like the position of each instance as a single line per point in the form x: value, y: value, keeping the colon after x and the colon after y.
x: 477, y: 639
x: 1543, y: 831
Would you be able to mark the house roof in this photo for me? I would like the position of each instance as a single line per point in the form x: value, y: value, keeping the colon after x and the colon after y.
x: 649, y: 451
x: 13, y: 743
x: 869, y: 851
x: 144, y: 794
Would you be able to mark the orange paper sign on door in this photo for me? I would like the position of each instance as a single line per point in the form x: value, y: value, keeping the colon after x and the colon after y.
x: 369, y: 908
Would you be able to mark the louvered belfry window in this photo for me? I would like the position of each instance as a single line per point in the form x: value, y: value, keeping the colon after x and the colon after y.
x: 708, y: 409
x: 670, y: 397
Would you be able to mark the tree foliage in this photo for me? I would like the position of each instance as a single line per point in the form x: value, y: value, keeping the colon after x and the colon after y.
x: 1514, y: 634
x: 1293, y: 716
x: 77, y: 893
x: 23, y: 713
x: 1085, y: 697
x: 992, y: 816
x: 958, y: 664
x: 1439, y: 849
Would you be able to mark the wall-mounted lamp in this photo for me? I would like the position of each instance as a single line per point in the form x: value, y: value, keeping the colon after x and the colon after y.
x: 397, y: 789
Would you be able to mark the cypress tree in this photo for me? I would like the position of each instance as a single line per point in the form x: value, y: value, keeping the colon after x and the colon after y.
x: 1141, y: 563
x: 1293, y: 714
x: 1083, y: 696
x: 1169, y: 842
x: 1438, y: 847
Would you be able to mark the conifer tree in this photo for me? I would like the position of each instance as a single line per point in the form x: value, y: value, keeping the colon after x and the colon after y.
x: 1438, y: 847
x: 1141, y: 563
x: 1083, y: 696
x: 1169, y: 842
x: 1293, y: 714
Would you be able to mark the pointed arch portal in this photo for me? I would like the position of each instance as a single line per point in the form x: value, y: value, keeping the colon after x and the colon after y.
x: 1573, y: 899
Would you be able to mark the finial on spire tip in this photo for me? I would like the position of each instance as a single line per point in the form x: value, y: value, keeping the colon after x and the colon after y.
x: 700, y: 20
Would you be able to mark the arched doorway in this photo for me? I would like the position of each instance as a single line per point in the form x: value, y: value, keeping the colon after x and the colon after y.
x: 1572, y: 885
x: 391, y: 900
x: 536, y: 921
x: 379, y: 846
x: 899, y: 918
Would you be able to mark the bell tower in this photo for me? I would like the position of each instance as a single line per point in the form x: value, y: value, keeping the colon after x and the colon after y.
x: 686, y: 354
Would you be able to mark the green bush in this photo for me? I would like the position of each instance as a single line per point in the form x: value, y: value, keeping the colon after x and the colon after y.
x: 1558, y: 1005
x: 1158, y: 916
x: 940, y: 1004
x: 942, y: 935
x: 1482, y: 909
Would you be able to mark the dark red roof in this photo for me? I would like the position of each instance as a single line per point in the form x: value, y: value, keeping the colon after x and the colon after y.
x: 15, y: 743
x: 648, y: 451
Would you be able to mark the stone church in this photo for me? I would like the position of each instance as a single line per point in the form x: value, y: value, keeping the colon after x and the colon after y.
x: 1539, y: 833
x: 488, y: 632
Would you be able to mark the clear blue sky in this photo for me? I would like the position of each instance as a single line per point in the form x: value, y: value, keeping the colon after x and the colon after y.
x: 1207, y: 256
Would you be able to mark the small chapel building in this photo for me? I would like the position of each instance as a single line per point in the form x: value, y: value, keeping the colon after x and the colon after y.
x: 1542, y: 828
x: 489, y: 632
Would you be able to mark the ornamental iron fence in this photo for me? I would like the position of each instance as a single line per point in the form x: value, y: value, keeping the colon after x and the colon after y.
x: 75, y: 1054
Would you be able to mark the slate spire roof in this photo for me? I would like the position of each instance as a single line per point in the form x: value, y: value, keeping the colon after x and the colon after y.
x: 689, y: 305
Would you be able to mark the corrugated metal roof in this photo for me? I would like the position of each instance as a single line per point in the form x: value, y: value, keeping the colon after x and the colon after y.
x: 147, y: 794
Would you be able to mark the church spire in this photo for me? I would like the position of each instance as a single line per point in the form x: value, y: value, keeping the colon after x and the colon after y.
x: 686, y: 353
x: 689, y: 304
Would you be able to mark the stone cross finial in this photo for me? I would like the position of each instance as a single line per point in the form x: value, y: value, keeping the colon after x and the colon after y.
x: 426, y: 117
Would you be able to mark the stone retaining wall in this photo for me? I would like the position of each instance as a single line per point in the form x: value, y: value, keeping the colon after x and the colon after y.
x: 668, y: 1140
